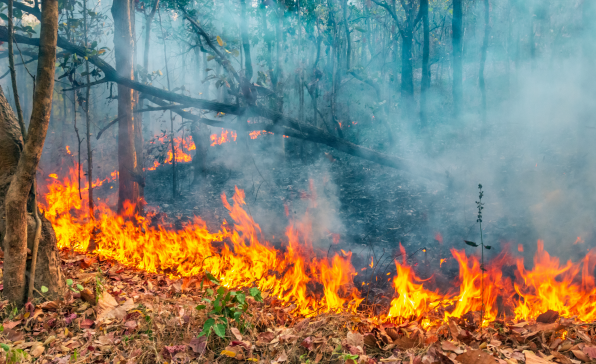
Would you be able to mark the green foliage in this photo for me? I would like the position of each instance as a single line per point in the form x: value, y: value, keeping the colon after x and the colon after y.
x: 76, y: 288
x: 13, y: 355
x: 225, y: 305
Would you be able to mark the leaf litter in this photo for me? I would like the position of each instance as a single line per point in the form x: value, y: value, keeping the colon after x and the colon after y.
x: 125, y: 316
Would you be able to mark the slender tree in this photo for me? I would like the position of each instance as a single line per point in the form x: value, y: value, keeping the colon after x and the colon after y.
x: 19, y: 190
x: 128, y: 192
x: 425, y: 82
x: 483, y: 52
x: 457, y: 56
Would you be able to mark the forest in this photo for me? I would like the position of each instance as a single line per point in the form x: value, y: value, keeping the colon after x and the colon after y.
x: 297, y: 181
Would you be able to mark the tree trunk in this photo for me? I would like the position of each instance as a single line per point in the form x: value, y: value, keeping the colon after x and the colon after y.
x: 13, y: 75
x: 407, y: 77
x: 148, y: 22
x: 128, y: 192
x: 456, y: 39
x: 347, y: 30
x: 425, y: 83
x: 483, y: 51
x: 245, y: 41
x: 19, y: 185
x: 88, y: 120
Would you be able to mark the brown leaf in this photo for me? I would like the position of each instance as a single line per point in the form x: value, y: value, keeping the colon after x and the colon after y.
x: 87, y: 324
x: 171, y: 351
x: 88, y: 296
x: 87, y: 262
x: 548, y: 317
x: 355, y: 339
x: 561, y: 358
x: 449, y: 346
x: 370, y: 340
x: 50, y: 306
x: 476, y: 357
x: 37, y: 351
x: 198, y: 344
x: 282, y: 357
x: 11, y: 324
x: 236, y: 333
x: 308, y: 344
x: 580, y: 355
x: 590, y: 351
x: 13, y: 335
x: 532, y: 358
x: 405, y: 343
x: 265, y: 337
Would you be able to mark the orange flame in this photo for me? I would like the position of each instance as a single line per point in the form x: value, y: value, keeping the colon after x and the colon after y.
x: 301, y: 275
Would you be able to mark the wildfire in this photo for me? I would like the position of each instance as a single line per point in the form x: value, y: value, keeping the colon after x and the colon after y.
x: 239, y: 256
x: 225, y: 137
x: 182, y: 148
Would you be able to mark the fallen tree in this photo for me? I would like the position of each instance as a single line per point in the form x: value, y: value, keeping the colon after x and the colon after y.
x: 282, y: 123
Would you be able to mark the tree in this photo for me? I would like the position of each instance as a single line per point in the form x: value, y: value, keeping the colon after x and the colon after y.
x: 483, y: 51
x: 425, y: 82
x: 457, y: 56
x: 129, y: 176
x: 406, y: 30
x: 19, y: 167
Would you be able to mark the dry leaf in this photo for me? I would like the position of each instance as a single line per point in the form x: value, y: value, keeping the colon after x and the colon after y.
x: 236, y: 333
x: 449, y: 346
x: 198, y: 344
x: 548, y: 317
x: 590, y: 351
x: 580, y: 355
x: 476, y: 357
x: 37, y: 351
x: 532, y: 358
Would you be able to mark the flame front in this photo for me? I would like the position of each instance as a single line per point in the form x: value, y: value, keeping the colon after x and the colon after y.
x: 298, y: 274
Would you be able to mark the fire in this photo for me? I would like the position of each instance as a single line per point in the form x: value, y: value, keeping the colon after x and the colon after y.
x: 413, y: 299
x: 182, y: 146
x: 550, y: 286
x: 225, y: 137
x: 301, y: 275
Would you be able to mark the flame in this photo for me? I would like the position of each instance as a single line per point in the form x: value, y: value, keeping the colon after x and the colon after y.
x: 550, y: 286
x: 301, y: 275
x: 225, y: 137
x: 182, y: 146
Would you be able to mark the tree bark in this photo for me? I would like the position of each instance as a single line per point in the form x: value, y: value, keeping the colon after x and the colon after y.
x: 17, y: 219
x: 128, y: 192
x: 456, y: 40
x: 13, y: 75
x: 245, y: 42
x: 88, y: 120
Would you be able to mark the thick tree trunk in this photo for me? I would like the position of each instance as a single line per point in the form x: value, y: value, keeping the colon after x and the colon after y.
x: 128, y: 192
x: 456, y: 39
x: 425, y: 83
x: 19, y: 186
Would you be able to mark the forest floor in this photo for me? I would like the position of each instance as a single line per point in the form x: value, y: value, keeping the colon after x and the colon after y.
x: 113, y: 314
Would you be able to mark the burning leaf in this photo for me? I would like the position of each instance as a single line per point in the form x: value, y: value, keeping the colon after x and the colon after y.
x: 471, y: 243
x: 548, y: 317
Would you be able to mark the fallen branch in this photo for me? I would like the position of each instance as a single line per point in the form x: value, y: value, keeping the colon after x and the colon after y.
x: 173, y: 107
